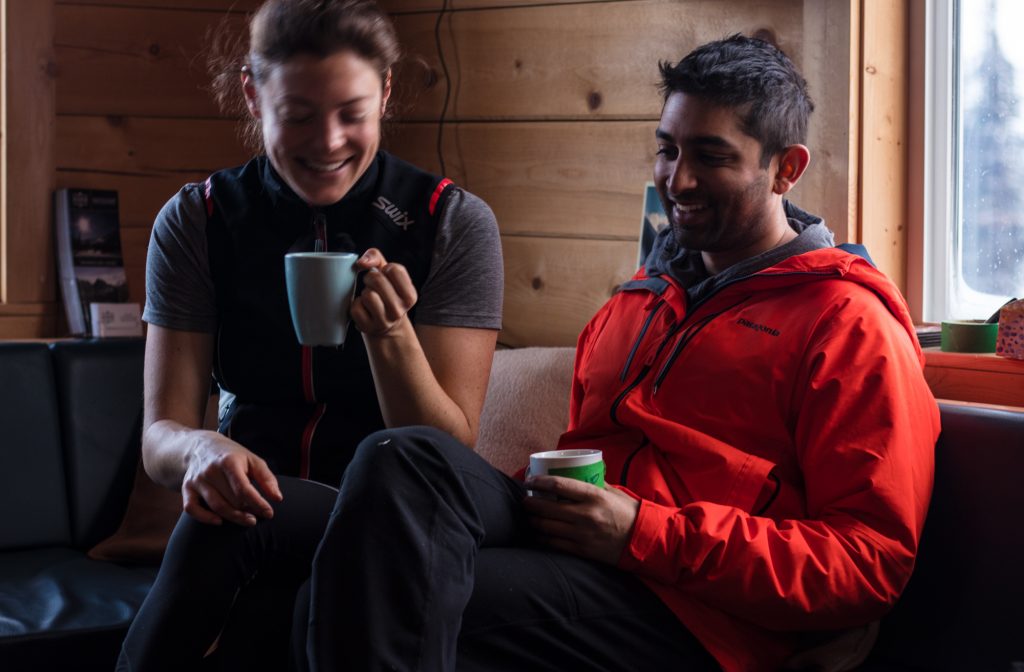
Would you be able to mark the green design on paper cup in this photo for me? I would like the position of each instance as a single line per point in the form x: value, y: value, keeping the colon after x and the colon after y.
x: 592, y: 473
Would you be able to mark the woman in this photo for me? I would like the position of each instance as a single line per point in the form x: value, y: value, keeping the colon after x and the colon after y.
x: 316, y: 82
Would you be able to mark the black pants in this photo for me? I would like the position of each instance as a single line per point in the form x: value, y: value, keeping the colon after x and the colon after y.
x: 425, y: 564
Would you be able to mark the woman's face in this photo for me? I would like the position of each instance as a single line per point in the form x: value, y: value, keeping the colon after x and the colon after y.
x: 321, y: 121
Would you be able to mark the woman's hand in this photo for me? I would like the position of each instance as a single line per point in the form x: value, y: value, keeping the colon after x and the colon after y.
x: 225, y: 481
x: 388, y: 295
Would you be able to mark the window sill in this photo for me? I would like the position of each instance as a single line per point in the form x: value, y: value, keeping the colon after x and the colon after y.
x: 982, y: 378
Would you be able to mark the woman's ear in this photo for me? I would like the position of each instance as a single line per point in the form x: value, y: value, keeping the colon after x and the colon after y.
x: 789, y: 167
x: 252, y: 101
x: 386, y: 94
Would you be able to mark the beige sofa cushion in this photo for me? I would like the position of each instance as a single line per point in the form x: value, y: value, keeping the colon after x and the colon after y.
x: 527, y: 405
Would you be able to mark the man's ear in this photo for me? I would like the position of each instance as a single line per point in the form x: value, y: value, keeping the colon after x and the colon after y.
x: 252, y: 101
x: 789, y: 166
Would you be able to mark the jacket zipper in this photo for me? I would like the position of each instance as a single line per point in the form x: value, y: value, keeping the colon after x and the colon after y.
x: 640, y: 338
x: 687, y: 336
x: 648, y: 365
x: 673, y: 330
x: 629, y: 461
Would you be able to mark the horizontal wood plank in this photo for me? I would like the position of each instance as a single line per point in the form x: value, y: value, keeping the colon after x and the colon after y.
x: 140, y: 196
x: 553, y: 286
x: 571, y: 61
x: 581, y: 179
x: 134, y: 243
x: 408, y: 6
x: 132, y: 61
x: 147, y: 146
x: 17, y: 327
x: 564, y: 61
x: 197, y: 5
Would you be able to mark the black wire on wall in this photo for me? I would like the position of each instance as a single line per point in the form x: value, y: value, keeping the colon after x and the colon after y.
x: 447, y: 86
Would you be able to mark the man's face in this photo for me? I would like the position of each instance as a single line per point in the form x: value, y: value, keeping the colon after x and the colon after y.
x: 708, y: 173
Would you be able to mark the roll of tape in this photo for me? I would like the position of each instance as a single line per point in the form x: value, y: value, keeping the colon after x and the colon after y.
x: 969, y: 336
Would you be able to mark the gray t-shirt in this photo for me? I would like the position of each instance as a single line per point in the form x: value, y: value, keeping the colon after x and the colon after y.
x: 463, y: 289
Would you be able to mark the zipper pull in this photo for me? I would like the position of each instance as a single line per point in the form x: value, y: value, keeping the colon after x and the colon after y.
x: 319, y: 231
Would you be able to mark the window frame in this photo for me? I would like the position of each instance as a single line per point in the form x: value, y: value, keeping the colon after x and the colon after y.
x: 939, y: 167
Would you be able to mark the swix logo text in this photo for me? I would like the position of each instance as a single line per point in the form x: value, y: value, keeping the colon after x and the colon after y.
x: 399, y: 217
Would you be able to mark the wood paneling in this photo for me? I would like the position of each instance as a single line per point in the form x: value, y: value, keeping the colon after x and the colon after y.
x: 128, y: 61
x: 19, y: 327
x: 554, y: 285
x: 139, y: 197
x: 527, y: 63
x: 434, y: 6
x: 26, y: 261
x: 143, y: 146
x: 551, y: 117
x: 832, y: 46
x: 582, y: 179
x: 200, y: 5
x: 134, y: 242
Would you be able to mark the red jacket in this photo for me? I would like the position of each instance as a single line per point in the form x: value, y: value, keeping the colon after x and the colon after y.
x: 780, y: 437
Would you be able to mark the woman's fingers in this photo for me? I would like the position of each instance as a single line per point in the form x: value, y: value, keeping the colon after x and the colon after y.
x: 388, y: 295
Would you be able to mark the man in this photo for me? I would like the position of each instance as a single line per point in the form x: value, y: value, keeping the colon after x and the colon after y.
x: 759, y: 398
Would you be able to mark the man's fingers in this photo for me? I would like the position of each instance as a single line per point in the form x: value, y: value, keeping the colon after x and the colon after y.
x: 554, y: 528
x: 564, y: 488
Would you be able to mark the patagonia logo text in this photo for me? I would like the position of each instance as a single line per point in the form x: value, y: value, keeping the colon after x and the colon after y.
x: 399, y: 217
x: 757, y: 327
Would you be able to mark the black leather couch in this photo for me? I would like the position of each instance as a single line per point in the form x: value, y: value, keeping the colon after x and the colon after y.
x: 69, y: 436
x: 963, y: 610
x: 70, y: 414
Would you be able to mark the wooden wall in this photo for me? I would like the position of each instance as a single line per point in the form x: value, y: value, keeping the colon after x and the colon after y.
x: 551, y: 119
x: 552, y: 116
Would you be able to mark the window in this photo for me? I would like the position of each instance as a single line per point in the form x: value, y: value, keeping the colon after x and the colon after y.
x: 974, y: 158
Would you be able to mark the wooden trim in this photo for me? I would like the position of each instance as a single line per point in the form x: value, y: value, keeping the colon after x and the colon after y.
x: 982, y: 378
x: 883, y: 142
x: 974, y: 404
x: 914, y: 291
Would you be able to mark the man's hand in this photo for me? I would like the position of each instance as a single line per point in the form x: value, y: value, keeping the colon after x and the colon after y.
x: 586, y: 520
x: 221, y: 482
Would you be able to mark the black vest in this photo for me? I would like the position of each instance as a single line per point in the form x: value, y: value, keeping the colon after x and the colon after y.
x: 304, y: 409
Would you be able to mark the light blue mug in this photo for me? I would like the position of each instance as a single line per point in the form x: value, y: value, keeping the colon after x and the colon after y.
x: 321, y: 286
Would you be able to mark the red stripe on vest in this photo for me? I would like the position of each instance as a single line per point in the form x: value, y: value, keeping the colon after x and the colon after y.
x: 208, y: 197
x: 307, y: 440
x: 437, y: 194
x: 307, y: 373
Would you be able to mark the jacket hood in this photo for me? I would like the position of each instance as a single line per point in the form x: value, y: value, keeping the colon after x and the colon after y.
x: 851, y: 267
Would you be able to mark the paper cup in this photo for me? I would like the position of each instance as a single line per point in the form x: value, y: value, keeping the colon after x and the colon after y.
x: 580, y: 464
